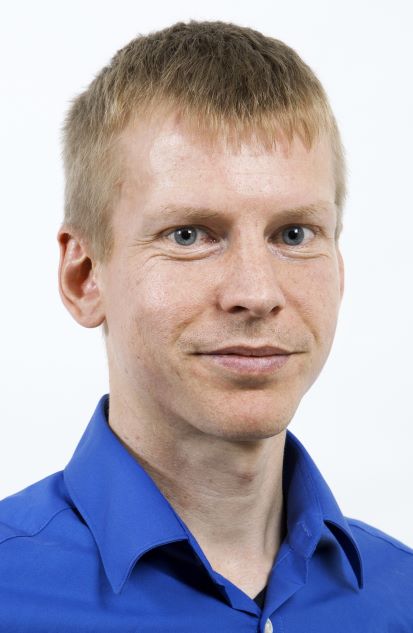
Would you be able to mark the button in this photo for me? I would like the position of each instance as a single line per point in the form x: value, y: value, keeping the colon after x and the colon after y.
x: 268, y: 626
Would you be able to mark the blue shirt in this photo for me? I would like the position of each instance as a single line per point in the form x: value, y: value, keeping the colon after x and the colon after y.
x: 97, y: 548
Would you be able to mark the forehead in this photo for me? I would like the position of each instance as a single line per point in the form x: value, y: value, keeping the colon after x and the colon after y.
x: 166, y: 158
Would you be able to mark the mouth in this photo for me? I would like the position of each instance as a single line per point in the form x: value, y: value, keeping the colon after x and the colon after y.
x: 247, y: 363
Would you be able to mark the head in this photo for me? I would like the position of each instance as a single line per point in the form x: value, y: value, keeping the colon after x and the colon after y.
x: 226, y: 132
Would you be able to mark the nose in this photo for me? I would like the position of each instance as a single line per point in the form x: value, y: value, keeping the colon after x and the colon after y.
x: 250, y: 281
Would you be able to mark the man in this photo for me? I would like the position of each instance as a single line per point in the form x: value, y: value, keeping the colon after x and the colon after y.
x: 204, y: 192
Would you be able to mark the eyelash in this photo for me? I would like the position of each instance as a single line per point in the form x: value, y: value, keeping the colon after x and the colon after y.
x: 315, y: 230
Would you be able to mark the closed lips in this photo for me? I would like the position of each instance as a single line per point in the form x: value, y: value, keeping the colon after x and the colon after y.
x: 251, y: 351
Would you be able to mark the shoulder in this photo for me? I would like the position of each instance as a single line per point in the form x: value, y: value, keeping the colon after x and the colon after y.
x: 46, y: 552
x: 371, y: 538
x: 27, y: 512
x: 387, y: 567
x: 41, y: 532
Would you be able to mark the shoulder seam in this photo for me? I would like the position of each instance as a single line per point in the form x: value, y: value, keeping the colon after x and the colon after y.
x: 8, y: 538
x: 402, y: 548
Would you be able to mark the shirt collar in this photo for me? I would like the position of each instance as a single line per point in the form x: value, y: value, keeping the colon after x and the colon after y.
x: 128, y: 515
x: 124, y: 509
x: 310, y: 505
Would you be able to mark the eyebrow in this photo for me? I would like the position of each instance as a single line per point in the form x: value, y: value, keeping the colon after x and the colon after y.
x: 313, y: 209
x: 186, y: 211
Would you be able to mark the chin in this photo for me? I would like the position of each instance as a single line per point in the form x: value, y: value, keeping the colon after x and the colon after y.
x: 252, y: 436
x: 248, y: 430
x: 244, y: 416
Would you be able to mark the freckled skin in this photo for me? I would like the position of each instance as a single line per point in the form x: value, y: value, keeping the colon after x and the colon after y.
x: 213, y: 440
x: 163, y: 302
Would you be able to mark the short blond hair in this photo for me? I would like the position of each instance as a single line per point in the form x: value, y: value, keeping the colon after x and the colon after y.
x: 227, y: 80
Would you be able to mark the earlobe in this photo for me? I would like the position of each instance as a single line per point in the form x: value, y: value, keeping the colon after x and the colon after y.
x: 78, y: 283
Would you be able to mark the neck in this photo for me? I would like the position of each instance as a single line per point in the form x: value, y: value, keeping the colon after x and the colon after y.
x: 229, y: 493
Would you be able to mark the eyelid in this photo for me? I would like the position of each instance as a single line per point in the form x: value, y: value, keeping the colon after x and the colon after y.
x: 185, y: 226
x: 315, y: 229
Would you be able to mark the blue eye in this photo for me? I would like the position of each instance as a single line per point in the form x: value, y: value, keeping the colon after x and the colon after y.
x: 186, y: 236
x: 293, y: 235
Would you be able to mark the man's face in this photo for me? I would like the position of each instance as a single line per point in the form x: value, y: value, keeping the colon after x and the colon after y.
x: 264, y: 269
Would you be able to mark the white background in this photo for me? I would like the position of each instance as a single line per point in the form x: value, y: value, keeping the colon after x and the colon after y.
x: 357, y: 420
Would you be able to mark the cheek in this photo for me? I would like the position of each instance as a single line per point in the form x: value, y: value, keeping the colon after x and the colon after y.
x: 313, y: 291
x: 164, y: 299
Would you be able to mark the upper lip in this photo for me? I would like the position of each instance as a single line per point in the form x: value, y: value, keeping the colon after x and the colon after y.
x: 244, y: 350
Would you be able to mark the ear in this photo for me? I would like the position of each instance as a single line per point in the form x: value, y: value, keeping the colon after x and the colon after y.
x: 78, y: 282
x: 341, y: 272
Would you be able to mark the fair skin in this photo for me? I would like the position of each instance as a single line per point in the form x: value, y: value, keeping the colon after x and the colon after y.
x: 211, y: 437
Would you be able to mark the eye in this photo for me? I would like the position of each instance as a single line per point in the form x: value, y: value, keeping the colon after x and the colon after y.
x: 296, y: 235
x: 185, y: 235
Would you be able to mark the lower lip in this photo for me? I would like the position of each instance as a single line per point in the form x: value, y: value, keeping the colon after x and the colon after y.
x: 249, y: 364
